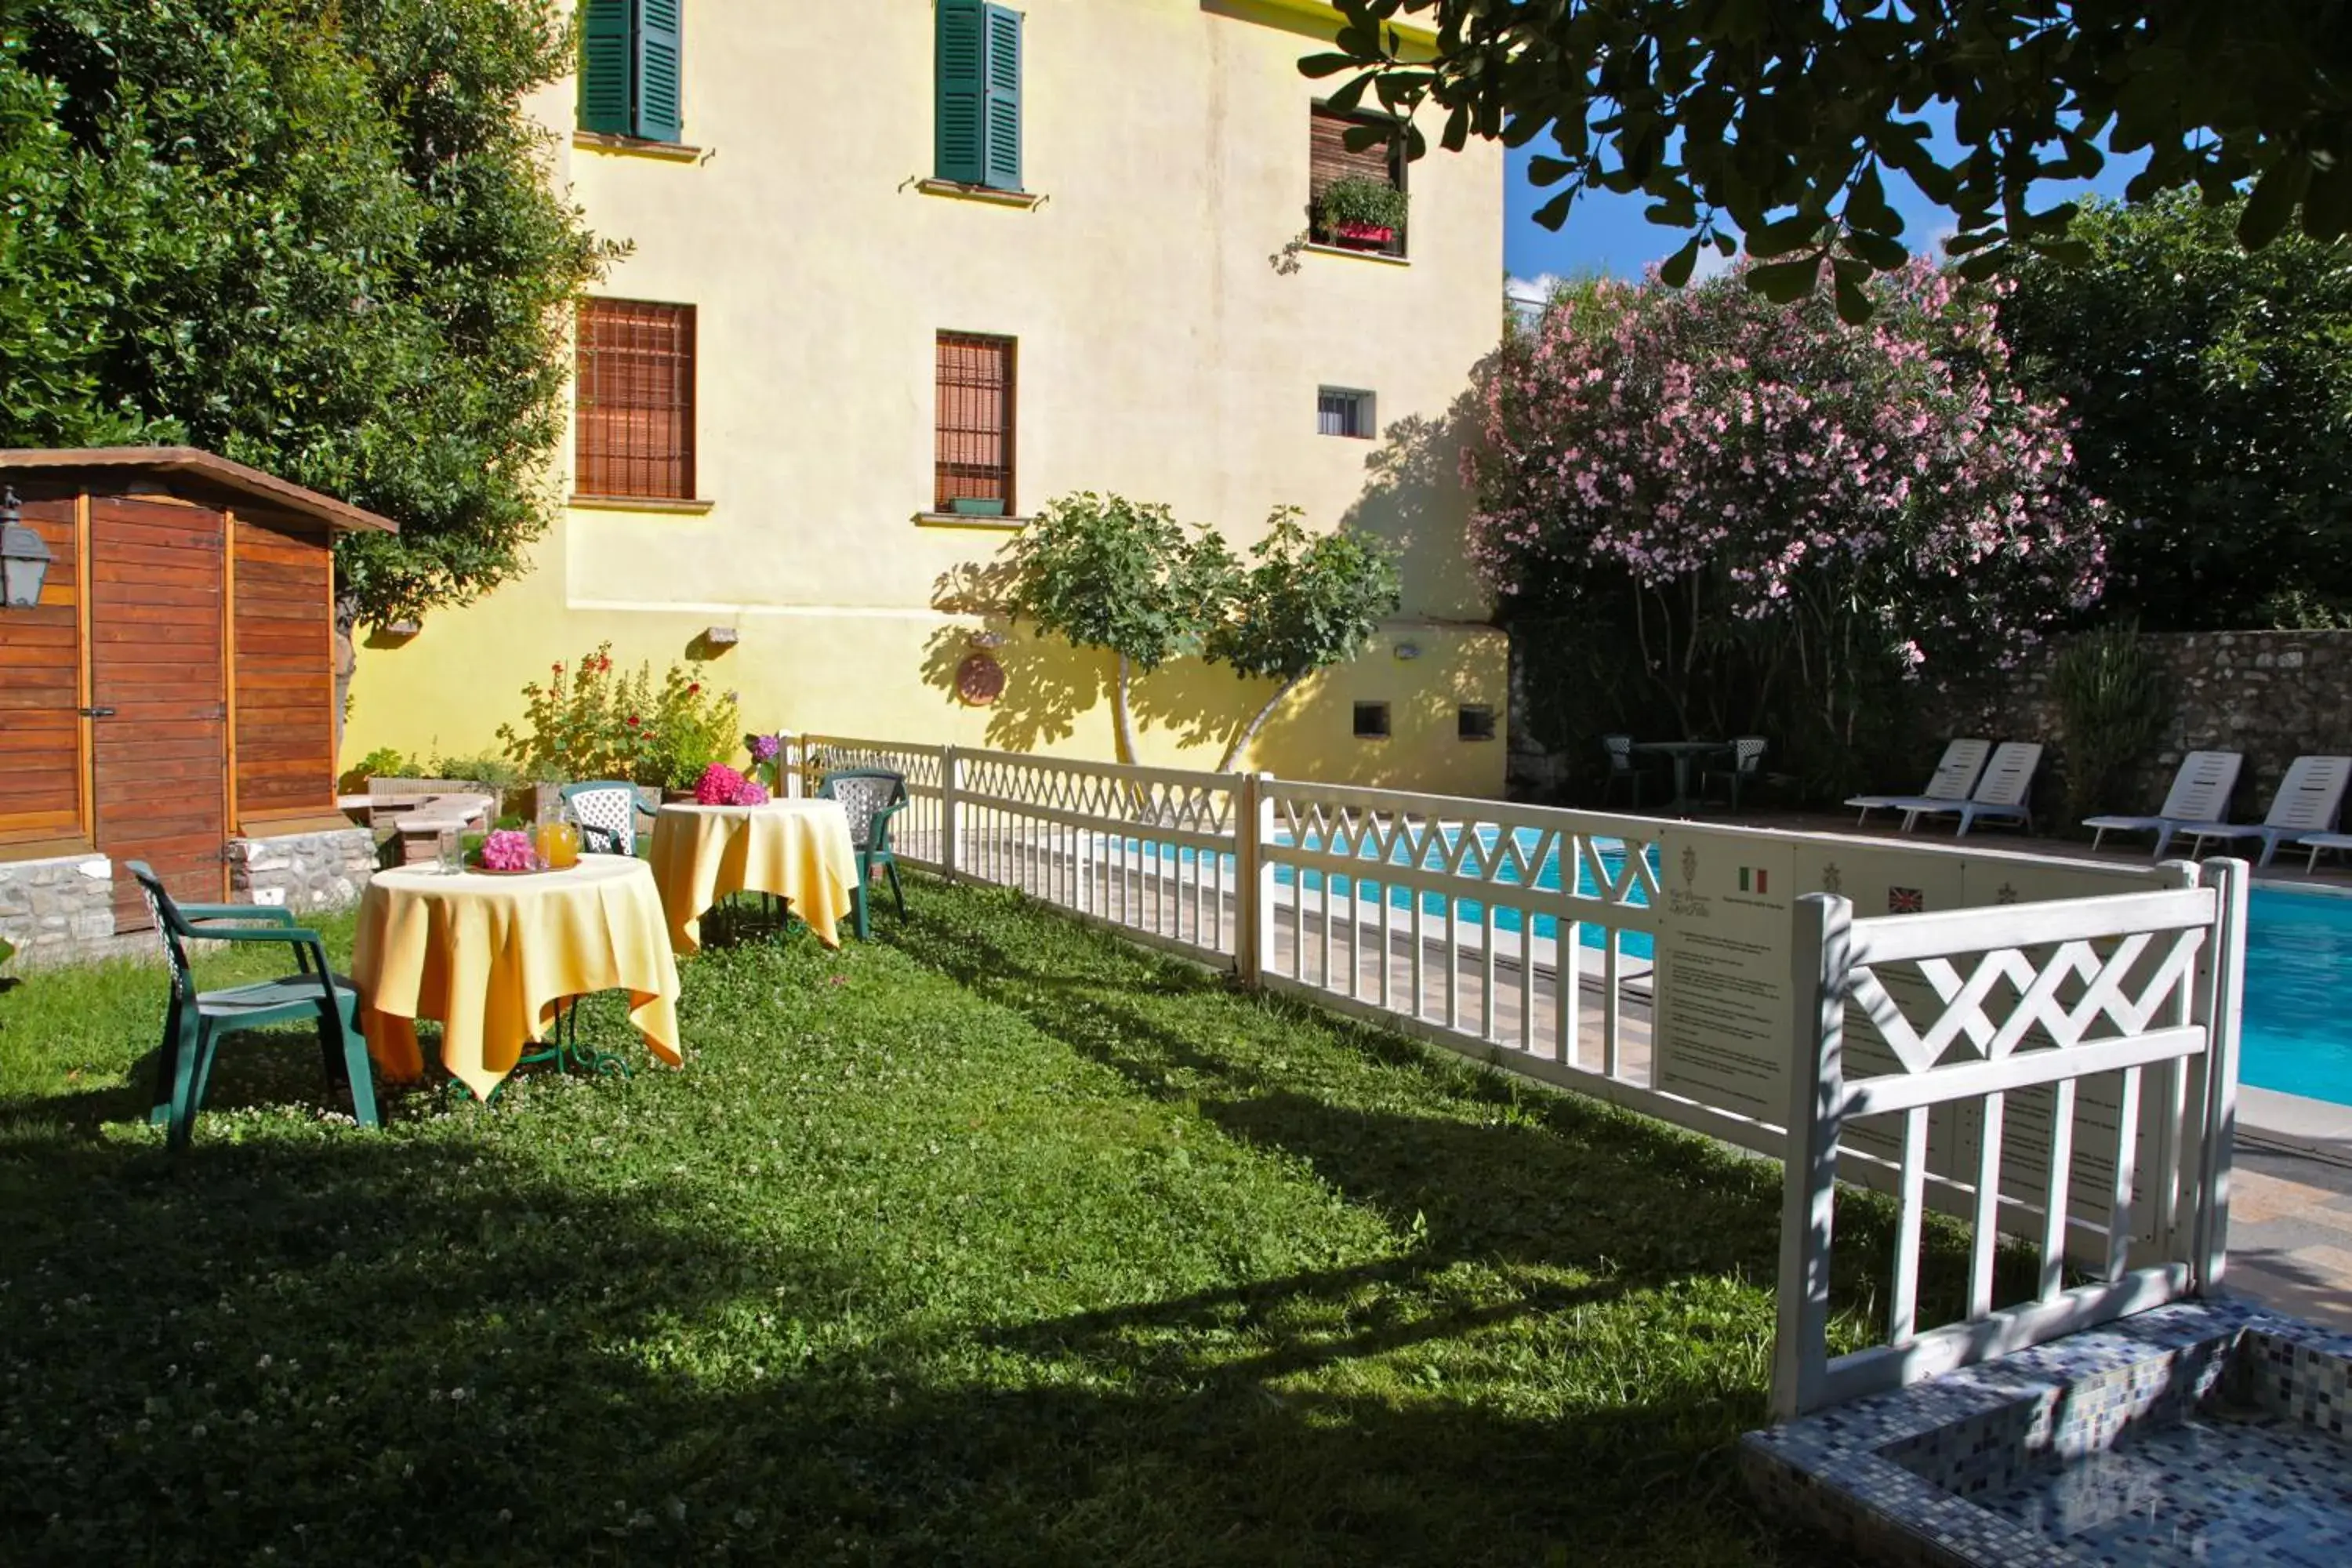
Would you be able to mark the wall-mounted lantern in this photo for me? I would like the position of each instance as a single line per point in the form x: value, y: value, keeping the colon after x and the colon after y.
x: 24, y: 556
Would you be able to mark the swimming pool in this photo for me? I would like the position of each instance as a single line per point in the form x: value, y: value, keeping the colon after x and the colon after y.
x: 2297, y: 1031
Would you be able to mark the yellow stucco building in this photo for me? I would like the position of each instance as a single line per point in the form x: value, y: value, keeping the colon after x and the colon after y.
x: 823, y: 363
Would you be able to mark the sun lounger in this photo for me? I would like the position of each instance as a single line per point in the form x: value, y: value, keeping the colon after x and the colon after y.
x: 1955, y: 776
x: 2307, y: 802
x: 2003, y: 794
x: 2315, y: 842
x: 2200, y: 793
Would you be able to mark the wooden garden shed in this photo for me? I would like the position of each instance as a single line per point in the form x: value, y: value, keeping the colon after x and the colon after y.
x: 173, y: 689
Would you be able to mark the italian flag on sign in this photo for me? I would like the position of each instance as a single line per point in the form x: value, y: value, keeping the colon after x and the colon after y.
x: 1751, y: 878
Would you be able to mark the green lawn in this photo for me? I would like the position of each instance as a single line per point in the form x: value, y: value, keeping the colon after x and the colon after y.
x: 993, y: 1240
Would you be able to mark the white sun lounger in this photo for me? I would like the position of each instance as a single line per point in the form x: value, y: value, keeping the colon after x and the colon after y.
x: 1955, y: 776
x: 2315, y: 842
x: 2002, y: 794
x: 2200, y: 793
x: 2307, y: 802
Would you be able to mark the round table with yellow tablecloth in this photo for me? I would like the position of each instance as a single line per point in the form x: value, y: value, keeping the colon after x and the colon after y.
x: 797, y: 849
x: 491, y: 957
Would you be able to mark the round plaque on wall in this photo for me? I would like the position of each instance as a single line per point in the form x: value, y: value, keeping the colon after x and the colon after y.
x: 979, y: 680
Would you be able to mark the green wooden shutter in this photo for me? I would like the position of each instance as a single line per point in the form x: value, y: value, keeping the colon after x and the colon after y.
x: 1002, y: 161
x: 959, y: 93
x: 605, y: 66
x: 657, y: 116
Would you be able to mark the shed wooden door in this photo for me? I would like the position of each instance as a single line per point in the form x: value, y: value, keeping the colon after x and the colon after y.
x: 160, y: 758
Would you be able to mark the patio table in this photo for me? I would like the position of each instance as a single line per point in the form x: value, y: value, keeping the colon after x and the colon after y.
x: 799, y: 850
x: 1682, y: 752
x: 492, y: 958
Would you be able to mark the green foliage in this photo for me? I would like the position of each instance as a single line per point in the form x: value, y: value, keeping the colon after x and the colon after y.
x: 1305, y: 604
x: 587, y: 722
x: 1359, y: 199
x: 495, y: 774
x: 692, y: 726
x: 998, y: 1241
x: 1103, y: 572
x: 2112, y: 708
x: 1784, y: 123
x: 2211, y: 395
x: 384, y: 762
x: 313, y: 235
x: 7, y: 950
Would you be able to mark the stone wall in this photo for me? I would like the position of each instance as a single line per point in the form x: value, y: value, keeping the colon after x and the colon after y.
x: 50, y: 909
x: 2272, y: 696
x: 312, y: 871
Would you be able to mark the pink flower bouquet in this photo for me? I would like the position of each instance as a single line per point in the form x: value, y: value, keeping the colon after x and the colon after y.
x: 718, y: 786
x: 507, y: 850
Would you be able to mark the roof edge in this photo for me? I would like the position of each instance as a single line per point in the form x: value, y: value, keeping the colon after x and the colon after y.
x: 198, y: 463
x: 1411, y: 32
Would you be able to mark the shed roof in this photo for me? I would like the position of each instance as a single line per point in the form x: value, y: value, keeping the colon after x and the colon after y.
x: 194, y: 462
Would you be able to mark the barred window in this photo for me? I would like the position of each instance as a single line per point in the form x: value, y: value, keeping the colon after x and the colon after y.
x: 973, y: 459
x: 634, y: 433
x: 1338, y: 412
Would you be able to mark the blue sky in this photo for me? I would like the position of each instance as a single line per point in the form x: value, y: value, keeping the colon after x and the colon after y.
x: 1609, y: 233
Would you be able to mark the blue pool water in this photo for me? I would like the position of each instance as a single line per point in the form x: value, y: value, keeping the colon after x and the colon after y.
x: 2297, y: 1033
x: 1631, y: 943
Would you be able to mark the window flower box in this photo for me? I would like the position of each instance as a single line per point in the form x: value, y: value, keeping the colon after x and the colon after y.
x: 1363, y: 236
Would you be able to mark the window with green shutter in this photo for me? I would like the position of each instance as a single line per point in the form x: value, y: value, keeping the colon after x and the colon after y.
x: 630, y: 63
x: 977, y: 95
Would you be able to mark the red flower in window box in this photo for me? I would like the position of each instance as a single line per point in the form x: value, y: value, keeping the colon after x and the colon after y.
x: 1363, y: 236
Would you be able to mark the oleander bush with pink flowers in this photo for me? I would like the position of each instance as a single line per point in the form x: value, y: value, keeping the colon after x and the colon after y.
x: 1732, y: 516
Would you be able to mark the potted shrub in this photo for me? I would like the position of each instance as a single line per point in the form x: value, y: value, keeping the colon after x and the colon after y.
x: 1360, y: 213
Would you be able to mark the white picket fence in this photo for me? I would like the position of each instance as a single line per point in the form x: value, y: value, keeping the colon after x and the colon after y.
x: 1530, y: 939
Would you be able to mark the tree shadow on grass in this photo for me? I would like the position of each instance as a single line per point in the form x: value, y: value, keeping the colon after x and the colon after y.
x: 1550, y: 1179
x: 375, y: 1350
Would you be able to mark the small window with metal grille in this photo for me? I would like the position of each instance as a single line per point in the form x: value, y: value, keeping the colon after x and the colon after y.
x: 634, y: 436
x: 1473, y: 721
x: 1339, y: 412
x: 1371, y: 720
x: 972, y: 467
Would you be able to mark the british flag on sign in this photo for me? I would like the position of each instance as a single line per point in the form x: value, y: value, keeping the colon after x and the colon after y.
x: 1906, y: 902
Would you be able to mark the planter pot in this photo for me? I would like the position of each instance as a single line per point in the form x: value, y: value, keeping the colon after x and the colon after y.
x: 1363, y: 236
x: 976, y: 506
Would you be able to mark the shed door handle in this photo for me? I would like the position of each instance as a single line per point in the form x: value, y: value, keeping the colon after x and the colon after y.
x: 95, y: 712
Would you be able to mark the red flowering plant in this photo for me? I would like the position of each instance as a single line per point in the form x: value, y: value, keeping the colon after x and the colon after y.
x: 587, y: 721
x: 1757, y: 514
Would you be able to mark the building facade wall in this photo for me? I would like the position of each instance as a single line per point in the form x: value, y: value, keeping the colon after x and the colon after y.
x: 1170, y: 345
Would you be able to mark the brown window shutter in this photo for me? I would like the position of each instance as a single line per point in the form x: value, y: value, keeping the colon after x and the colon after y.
x: 634, y: 433
x: 975, y: 416
x: 1329, y: 158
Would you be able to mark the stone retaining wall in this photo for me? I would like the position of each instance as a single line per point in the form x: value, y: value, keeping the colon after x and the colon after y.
x: 311, y: 870
x: 2273, y: 696
x: 52, y: 908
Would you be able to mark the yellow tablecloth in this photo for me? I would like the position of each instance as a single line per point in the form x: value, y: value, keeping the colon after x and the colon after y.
x: 491, y: 956
x: 797, y: 849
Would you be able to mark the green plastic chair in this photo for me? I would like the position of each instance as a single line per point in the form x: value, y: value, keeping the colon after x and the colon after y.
x: 870, y: 797
x: 196, y: 1020
x: 605, y: 811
